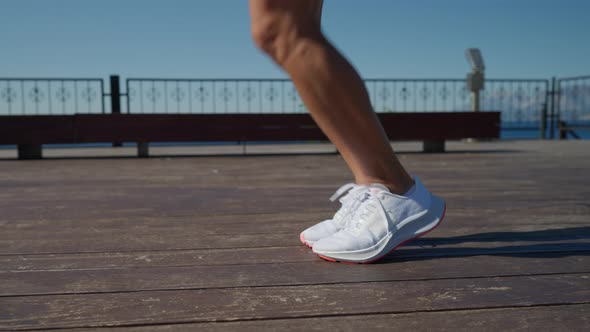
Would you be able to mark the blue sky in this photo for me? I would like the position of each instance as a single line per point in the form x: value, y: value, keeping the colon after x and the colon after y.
x: 210, y: 38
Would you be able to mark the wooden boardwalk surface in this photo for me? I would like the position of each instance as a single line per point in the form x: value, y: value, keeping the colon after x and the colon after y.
x: 211, y: 243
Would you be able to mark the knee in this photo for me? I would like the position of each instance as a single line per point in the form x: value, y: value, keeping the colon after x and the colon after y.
x: 281, y: 38
x: 266, y: 34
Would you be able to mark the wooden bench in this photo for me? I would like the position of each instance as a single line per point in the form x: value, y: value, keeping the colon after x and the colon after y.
x: 30, y: 132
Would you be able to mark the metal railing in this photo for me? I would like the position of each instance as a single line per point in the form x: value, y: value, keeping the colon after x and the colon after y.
x: 524, y: 103
x: 212, y: 96
x: 280, y: 96
x: 415, y: 95
x: 574, y: 100
x: 51, y: 96
x: 521, y: 101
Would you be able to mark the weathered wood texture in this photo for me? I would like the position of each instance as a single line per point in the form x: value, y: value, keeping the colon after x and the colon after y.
x: 542, y: 318
x: 211, y: 243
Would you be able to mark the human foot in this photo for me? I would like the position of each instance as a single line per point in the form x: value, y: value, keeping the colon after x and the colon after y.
x: 347, y: 194
x: 382, y: 222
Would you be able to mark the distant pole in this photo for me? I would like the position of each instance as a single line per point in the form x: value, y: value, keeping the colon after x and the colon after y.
x: 475, y: 78
x: 115, y: 100
x: 475, y: 101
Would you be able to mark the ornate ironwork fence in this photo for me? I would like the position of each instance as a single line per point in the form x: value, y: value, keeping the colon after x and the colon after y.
x: 574, y: 100
x: 51, y: 96
x: 521, y: 101
x: 526, y: 104
x: 212, y: 96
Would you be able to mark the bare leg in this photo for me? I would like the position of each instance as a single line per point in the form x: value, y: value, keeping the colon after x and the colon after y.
x: 290, y: 33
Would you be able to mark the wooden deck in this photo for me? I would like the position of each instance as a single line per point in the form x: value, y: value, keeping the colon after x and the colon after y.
x: 211, y: 243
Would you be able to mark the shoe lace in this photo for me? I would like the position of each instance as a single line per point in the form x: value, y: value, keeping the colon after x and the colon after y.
x: 348, y: 195
x: 370, y: 203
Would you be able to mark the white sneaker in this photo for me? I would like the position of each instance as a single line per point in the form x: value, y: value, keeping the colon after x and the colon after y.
x: 348, y: 195
x: 383, y: 222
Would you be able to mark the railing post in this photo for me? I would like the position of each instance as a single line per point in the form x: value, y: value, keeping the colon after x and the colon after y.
x: 552, y: 94
x: 115, y: 95
x: 543, y: 126
x: 115, y: 100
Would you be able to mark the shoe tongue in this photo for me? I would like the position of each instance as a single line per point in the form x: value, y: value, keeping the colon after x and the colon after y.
x: 377, y: 188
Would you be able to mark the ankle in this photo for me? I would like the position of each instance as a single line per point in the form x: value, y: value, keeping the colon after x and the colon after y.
x: 398, y: 186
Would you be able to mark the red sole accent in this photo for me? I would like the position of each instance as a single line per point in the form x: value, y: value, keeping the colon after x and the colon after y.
x: 389, y: 252
x: 303, y: 241
x: 327, y: 258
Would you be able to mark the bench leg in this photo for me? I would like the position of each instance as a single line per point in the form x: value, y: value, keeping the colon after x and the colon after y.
x: 143, y: 150
x: 433, y: 146
x: 30, y: 151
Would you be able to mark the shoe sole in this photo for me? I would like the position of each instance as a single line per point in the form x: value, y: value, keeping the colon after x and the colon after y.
x: 402, y: 236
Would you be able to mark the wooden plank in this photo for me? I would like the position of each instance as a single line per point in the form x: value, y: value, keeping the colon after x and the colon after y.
x: 160, y: 307
x: 131, y: 241
x: 196, y: 127
x: 64, y: 220
x: 63, y: 224
x: 264, y: 255
x: 67, y: 218
x: 190, y: 200
x: 92, y: 128
x: 27, y: 199
x: 183, y: 208
x: 200, y: 257
x: 118, y: 279
x: 455, y: 125
x: 111, y: 214
x: 543, y: 318
x: 37, y: 129
x: 187, y: 237
x: 25, y: 203
x: 146, y: 201
x: 426, y: 248
x: 173, y: 233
